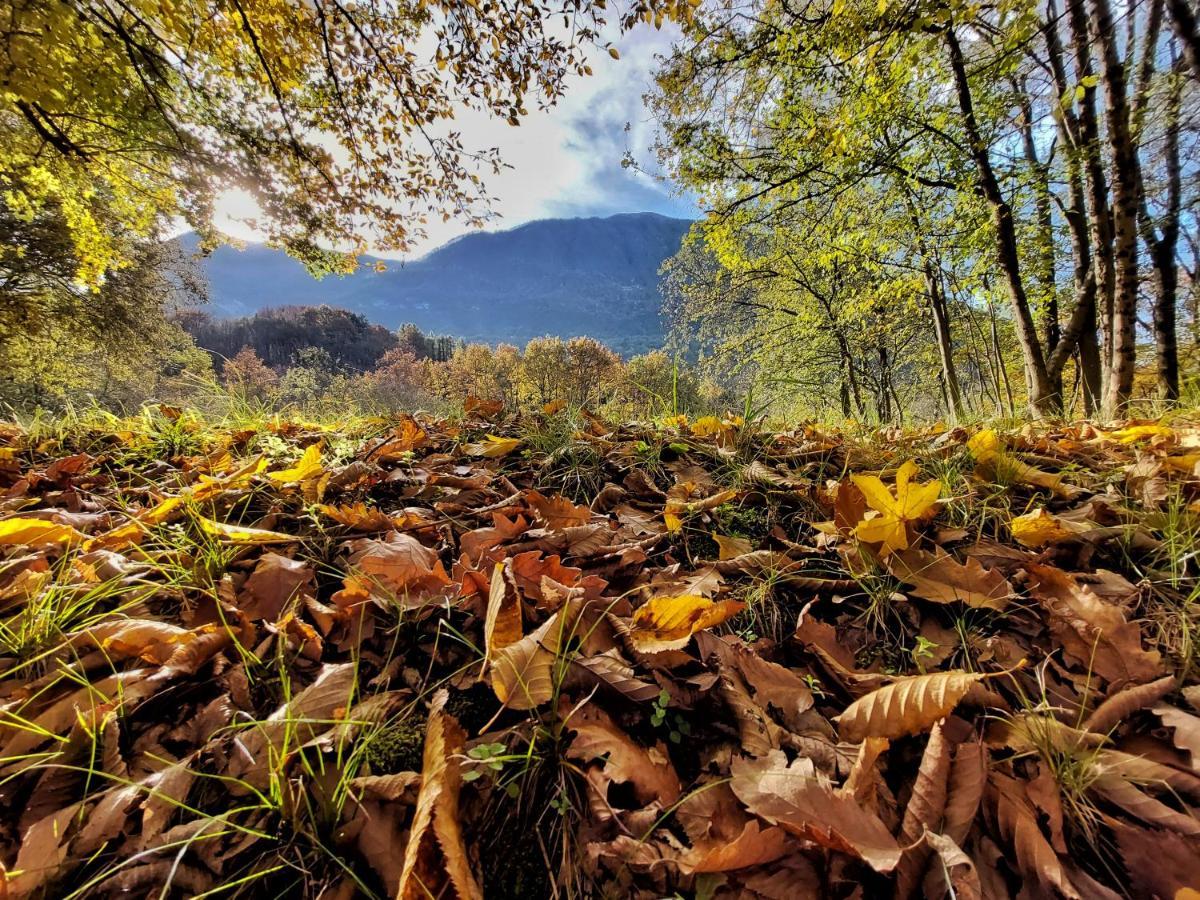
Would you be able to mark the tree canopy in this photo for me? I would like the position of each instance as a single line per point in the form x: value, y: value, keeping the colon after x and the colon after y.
x: 943, y: 161
x: 336, y: 116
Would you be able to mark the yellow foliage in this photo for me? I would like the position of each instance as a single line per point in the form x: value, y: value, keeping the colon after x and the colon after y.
x: 667, y: 623
x: 36, y: 532
x: 910, y: 503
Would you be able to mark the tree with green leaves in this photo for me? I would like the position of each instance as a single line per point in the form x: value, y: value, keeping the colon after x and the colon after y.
x: 990, y: 145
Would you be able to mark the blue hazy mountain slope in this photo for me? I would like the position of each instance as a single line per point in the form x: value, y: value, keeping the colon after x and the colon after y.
x: 595, y: 276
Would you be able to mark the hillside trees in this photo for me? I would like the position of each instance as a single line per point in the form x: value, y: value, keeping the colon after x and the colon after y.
x: 119, y: 119
x: 982, y: 147
x: 58, y: 340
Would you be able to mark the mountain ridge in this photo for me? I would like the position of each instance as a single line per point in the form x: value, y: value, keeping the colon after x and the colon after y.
x: 592, y: 275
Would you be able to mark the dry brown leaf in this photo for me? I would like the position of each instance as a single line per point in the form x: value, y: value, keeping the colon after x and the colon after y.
x: 863, y: 779
x: 42, y: 853
x: 1123, y: 703
x: 502, y: 624
x: 952, y: 868
x: 968, y: 778
x: 908, y: 705
x: 758, y: 735
x: 400, y: 564
x: 557, y: 513
x: 1185, y: 730
x: 1131, y: 799
x: 436, y: 856
x: 359, y: 516
x: 942, y: 579
x: 755, y: 846
x: 612, y: 669
x: 1159, y: 863
x: 799, y: 800
x: 1035, y: 858
x: 771, y: 685
x: 924, y: 811
x: 1094, y: 634
x: 647, y: 769
x: 275, y: 582
x: 522, y: 674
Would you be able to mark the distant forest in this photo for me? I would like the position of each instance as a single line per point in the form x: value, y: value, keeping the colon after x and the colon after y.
x: 277, y: 336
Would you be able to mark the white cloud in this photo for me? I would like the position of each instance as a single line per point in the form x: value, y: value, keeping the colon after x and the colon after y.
x: 562, y: 162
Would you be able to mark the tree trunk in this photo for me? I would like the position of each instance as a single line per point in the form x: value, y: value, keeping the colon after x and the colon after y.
x: 1097, y: 183
x: 941, y: 319
x: 1042, y: 399
x: 1162, y: 238
x: 1045, y: 265
x: 1125, y: 213
x: 1184, y: 18
x: 1085, y: 277
x: 941, y: 327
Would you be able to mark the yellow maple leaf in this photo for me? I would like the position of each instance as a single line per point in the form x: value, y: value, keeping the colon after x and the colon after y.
x: 306, y: 468
x: 909, y: 503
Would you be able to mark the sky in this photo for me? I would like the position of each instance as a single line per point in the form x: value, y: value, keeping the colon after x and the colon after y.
x: 565, y: 162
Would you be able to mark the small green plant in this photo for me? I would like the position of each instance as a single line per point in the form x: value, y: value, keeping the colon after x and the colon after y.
x: 676, y: 726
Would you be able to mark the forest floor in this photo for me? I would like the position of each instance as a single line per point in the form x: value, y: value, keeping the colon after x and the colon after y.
x: 514, y: 656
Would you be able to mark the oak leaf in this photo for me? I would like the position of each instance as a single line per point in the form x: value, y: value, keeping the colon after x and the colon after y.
x: 940, y: 578
x: 802, y: 802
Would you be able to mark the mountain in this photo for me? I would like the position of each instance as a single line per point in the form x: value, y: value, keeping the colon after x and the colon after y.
x: 595, y: 276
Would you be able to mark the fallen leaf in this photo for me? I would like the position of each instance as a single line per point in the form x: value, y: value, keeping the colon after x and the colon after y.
x: 493, y: 447
x: 1039, y: 528
x: 667, y: 623
x: 731, y: 547
x: 908, y: 705
x: 37, y: 532
x: 243, y: 534
x: 307, y: 468
x: 647, y: 769
x: 909, y: 503
x: 802, y: 802
x: 940, y: 578
x: 923, y: 812
x: 1094, y: 634
x: 435, y: 858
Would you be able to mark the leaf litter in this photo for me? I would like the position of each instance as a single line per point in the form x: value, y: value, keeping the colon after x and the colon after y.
x: 407, y: 657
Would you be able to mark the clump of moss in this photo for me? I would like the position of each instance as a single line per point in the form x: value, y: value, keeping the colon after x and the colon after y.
x: 516, y: 870
x: 396, y: 748
x: 747, y: 520
x: 473, y: 708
